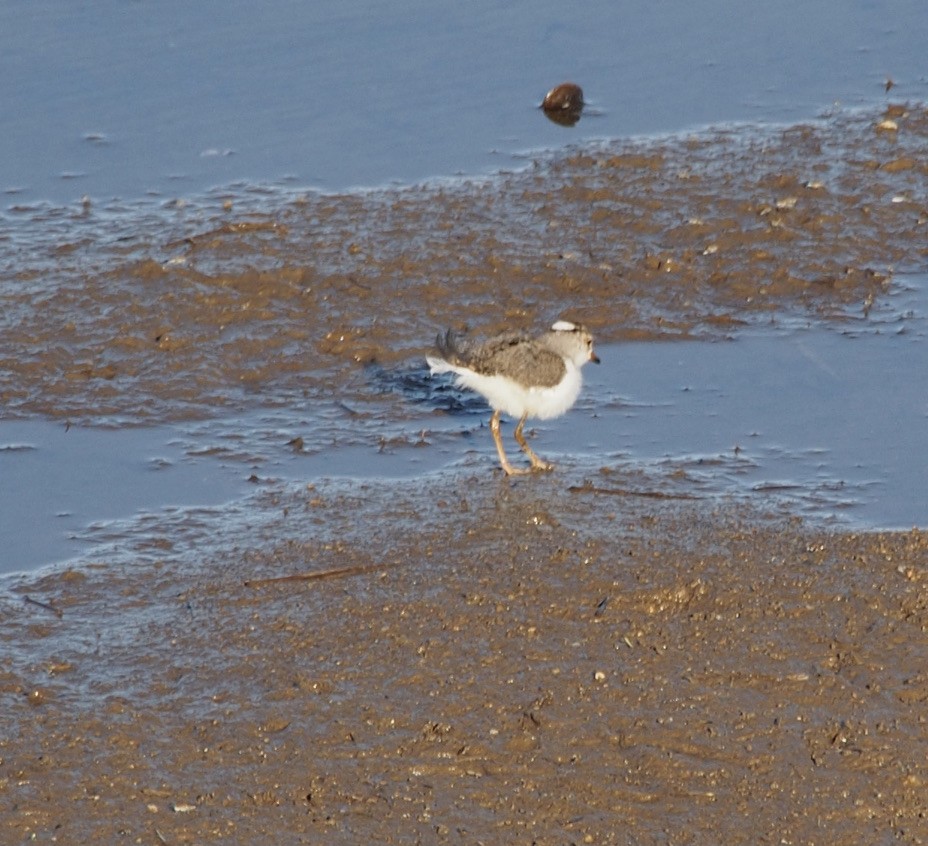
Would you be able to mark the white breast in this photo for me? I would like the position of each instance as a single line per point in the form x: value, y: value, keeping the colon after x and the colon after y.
x: 515, y: 400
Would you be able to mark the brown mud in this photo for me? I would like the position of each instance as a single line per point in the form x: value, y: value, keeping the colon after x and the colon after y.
x: 536, y: 662
x: 554, y: 660
x: 639, y: 240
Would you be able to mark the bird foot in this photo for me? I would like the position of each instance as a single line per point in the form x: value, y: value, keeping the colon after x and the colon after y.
x: 537, y: 466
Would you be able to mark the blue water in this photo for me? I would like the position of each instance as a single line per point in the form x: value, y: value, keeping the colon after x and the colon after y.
x: 829, y: 423
x: 110, y: 98
x: 152, y: 101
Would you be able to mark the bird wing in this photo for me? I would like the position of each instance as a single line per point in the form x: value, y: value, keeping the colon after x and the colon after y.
x: 515, y: 355
x: 521, y: 359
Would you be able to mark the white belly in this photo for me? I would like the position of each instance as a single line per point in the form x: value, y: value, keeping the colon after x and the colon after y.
x: 515, y: 399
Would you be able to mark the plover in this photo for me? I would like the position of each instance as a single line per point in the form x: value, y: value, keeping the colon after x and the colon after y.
x: 521, y: 376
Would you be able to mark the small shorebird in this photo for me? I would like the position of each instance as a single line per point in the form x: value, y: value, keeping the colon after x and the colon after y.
x: 521, y: 376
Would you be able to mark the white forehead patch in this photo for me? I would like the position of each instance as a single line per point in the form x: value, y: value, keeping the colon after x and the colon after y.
x: 564, y: 326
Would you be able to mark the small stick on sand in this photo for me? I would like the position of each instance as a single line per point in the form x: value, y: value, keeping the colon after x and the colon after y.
x: 628, y: 492
x: 352, y: 570
x: 56, y: 611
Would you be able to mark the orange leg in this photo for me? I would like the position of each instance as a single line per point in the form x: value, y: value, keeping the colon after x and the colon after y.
x: 537, y: 463
x: 508, y: 469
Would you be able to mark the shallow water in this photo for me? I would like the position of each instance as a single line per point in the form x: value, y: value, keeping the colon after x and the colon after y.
x: 123, y: 308
x: 831, y: 423
x: 112, y: 99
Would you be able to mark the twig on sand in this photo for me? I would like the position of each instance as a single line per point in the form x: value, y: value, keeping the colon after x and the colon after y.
x: 315, y: 575
x: 39, y: 604
x: 588, y: 488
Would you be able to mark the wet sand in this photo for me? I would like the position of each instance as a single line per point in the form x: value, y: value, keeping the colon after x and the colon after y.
x: 640, y: 240
x: 552, y: 661
x: 569, y: 658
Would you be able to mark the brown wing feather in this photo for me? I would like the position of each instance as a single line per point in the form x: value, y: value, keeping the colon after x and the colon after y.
x: 515, y: 355
x: 530, y: 364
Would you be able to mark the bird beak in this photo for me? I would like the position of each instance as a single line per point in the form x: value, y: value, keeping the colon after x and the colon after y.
x: 594, y: 358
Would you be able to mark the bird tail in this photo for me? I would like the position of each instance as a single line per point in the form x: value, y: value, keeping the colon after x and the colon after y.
x: 447, y: 346
x: 438, y: 365
x: 449, y: 354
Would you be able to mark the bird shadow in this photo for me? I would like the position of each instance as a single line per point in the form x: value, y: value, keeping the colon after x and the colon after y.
x: 415, y: 384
